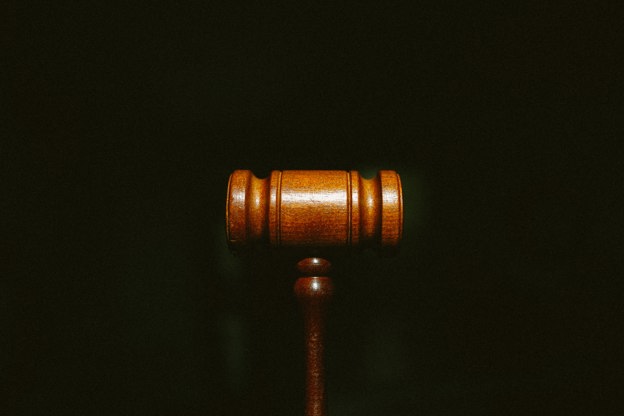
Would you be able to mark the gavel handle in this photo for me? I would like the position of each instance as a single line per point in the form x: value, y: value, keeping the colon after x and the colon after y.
x: 314, y: 294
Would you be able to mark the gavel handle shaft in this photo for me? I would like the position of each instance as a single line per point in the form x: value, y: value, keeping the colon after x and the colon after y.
x: 314, y: 294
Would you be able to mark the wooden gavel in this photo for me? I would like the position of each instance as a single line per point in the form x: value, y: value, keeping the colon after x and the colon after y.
x: 314, y: 212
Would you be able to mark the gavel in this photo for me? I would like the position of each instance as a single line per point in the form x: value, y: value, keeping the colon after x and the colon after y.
x: 314, y: 212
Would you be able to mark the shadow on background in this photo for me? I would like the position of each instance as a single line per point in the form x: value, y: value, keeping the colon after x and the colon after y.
x: 123, y: 299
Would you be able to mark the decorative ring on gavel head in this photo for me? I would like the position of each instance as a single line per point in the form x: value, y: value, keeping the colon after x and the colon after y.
x: 314, y: 209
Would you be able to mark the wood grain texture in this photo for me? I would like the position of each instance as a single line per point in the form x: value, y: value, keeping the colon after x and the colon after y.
x: 314, y: 293
x: 316, y: 208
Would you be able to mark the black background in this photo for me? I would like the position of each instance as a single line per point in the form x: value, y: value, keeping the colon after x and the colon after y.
x: 123, y: 299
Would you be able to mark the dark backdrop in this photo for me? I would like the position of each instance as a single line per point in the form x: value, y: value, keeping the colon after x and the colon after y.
x: 123, y: 299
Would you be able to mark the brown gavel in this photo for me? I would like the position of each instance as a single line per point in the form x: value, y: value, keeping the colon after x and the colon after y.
x: 314, y: 211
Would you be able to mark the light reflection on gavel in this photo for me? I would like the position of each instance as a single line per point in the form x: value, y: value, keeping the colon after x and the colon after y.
x: 313, y: 213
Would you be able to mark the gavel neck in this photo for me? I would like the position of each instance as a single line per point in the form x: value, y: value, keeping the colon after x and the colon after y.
x: 314, y: 293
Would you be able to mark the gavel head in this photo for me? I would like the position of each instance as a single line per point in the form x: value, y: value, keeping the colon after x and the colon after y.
x: 314, y: 209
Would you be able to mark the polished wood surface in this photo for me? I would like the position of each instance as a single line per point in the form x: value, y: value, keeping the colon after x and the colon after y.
x: 316, y: 208
x: 315, y: 212
x: 314, y: 292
